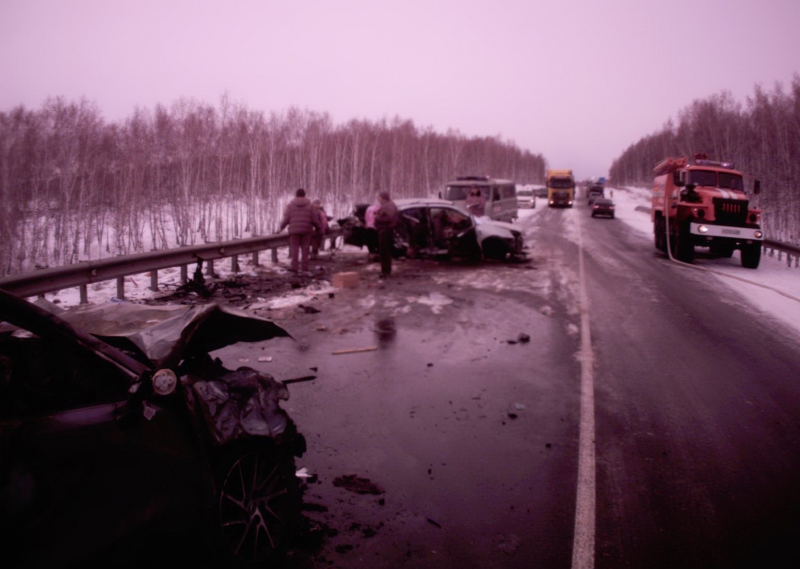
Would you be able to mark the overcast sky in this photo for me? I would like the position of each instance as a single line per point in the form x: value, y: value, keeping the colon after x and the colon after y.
x: 575, y: 80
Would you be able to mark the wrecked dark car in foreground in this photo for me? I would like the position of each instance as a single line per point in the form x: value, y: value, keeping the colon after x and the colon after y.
x: 437, y: 228
x: 115, y: 420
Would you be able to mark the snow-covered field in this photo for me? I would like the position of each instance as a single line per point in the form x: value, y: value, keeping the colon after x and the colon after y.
x: 773, y: 288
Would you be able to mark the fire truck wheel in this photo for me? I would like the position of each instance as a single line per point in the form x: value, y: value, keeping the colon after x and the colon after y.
x: 683, y: 248
x: 751, y: 256
x: 660, y: 238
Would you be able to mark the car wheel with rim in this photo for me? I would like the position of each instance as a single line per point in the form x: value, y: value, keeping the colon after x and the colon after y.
x: 257, y: 504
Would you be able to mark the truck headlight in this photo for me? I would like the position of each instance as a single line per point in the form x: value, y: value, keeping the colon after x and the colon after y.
x: 759, y: 234
x: 702, y: 229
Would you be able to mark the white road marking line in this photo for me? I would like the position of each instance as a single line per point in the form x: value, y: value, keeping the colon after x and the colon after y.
x: 585, y: 507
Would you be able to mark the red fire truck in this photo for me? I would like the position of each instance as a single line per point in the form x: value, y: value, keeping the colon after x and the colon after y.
x: 702, y: 203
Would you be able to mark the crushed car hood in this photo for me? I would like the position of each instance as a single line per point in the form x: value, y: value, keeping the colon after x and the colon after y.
x: 486, y: 223
x: 167, y: 334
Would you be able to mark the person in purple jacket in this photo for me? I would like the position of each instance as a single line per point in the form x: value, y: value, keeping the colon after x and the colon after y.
x: 302, y: 219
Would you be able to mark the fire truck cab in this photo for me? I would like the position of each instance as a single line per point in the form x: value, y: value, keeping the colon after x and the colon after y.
x: 703, y: 203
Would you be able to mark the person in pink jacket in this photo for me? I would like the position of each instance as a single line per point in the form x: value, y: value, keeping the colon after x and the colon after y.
x: 302, y: 219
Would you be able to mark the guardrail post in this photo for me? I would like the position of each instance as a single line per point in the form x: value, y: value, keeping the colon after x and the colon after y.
x: 154, y: 280
x: 274, y: 255
x: 210, y: 267
x: 255, y: 258
x: 84, y: 294
x: 235, y: 264
x: 121, y: 288
x: 184, y: 274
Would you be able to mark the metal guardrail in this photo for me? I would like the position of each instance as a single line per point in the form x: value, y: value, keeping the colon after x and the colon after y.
x: 87, y: 272
x: 792, y: 251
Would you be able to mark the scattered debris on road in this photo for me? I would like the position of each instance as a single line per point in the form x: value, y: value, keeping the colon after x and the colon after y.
x: 354, y: 350
x: 521, y: 339
x: 353, y: 483
x: 345, y: 280
x: 434, y: 523
x: 298, y: 379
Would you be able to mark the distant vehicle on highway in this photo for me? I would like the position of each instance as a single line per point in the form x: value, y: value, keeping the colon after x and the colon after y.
x: 540, y: 192
x: 603, y: 207
x: 593, y: 192
x: 560, y: 188
x: 437, y: 228
x: 525, y: 197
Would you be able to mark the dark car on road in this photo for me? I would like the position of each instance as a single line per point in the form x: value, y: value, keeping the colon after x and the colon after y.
x: 604, y: 207
x: 437, y: 228
x: 115, y: 422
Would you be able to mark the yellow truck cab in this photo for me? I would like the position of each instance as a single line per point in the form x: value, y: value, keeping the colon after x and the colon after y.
x: 560, y: 188
x: 500, y: 195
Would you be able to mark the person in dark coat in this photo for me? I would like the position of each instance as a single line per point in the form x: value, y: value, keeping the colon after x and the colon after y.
x: 318, y: 239
x: 302, y: 219
x: 386, y: 219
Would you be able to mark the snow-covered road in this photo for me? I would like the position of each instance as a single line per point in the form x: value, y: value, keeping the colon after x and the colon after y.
x: 773, y: 289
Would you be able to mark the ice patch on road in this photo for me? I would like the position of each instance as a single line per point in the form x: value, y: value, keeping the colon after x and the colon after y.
x: 367, y: 302
x: 495, y: 279
x: 295, y: 298
x: 435, y: 300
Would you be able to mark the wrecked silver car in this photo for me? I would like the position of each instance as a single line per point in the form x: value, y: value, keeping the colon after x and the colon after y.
x: 115, y: 420
x: 437, y: 228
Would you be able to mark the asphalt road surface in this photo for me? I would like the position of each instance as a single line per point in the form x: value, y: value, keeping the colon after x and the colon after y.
x: 459, y: 404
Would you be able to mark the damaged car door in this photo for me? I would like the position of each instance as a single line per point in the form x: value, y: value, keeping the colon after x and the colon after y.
x: 454, y: 231
x: 437, y: 231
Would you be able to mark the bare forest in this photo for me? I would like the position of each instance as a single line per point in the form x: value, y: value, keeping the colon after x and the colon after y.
x: 762, y: 138
x: 74, y: 187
